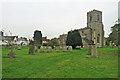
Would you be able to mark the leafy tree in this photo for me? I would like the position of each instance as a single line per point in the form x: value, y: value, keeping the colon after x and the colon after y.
x: 37, y: 37
x: 74, y: 39
x: 53, y: 42
x: 114, y: 37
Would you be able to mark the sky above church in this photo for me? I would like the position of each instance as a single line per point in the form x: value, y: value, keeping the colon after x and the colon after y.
x: 53, y: 17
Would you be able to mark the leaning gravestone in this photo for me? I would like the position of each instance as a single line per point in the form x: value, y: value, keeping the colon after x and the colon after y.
x: 41, y: 49
x: 49, y: 49
x: 57, y: 49
x: 36, y: 49
x: 19, y: 47
x: 64, y: 49
x: 70, y: 48
x: 31, y: 49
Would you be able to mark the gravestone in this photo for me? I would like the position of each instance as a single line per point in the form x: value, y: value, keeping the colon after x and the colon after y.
x: 92, y: 50
x: 19, y: 47
x: 49, y: 49
x: 57, y: 49
x: 36, y: 49
x: 64, y: 49
x: 41, y: 49
x: 11, y: 54
x: 70, y: 48
x: 31, y: 49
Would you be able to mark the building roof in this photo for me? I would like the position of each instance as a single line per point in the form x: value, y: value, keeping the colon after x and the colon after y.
x: 45, y: 39
x: 90, y: 42
x: 12, y: 37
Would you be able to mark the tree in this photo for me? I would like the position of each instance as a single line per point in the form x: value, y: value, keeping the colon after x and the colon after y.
x: 37, y: 37
x: 74, y: 39
x: 53, y: 42
x: 114, y: 35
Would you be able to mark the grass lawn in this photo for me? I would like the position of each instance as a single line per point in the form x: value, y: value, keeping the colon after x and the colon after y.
x: 75, y: 64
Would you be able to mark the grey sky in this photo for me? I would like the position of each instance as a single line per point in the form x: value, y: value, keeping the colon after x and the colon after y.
x: 53, y: 17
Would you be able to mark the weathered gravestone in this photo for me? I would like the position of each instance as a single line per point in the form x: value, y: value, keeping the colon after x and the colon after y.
x: 36, y: 49
x: 19, y: 47
x: 92, y: 50
x: 70, y: 48
x: 49, y: 49
x: 57, y: 49
x: 41, y: 49
x: 64, y: 49
x: 31, y: 49
x: 11, y: 54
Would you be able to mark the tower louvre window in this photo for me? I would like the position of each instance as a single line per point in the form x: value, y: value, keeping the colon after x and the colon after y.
x: 98, y: 17
x: 90, y: 18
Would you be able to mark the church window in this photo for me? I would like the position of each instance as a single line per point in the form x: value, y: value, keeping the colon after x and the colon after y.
x: 98, y: 39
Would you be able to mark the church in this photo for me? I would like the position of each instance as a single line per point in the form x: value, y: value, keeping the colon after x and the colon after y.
x: 94, y: 31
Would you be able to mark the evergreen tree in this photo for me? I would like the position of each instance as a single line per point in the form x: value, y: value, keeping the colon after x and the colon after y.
x: 74, y: 39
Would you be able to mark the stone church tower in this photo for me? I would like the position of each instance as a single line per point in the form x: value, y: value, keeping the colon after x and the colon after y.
x: 94, y: 21
x: 94, y: 32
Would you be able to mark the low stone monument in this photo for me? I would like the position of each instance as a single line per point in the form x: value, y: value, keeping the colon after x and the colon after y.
x: 31, y: 49
x: 64, y: 49
x: 70, y: 48
x: 19, y: 47
x: 41, y: 49
x: 49, y: 49
x: 36, y: 49
x: 57, y: 49
x: 92, y: 50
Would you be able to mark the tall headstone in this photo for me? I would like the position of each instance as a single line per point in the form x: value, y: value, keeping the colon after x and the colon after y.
x: 49, y: 49
x: 41, y: 49
x: 92, y: 50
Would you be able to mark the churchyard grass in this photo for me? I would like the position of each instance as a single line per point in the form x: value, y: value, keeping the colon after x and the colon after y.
x: 75, y: 64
